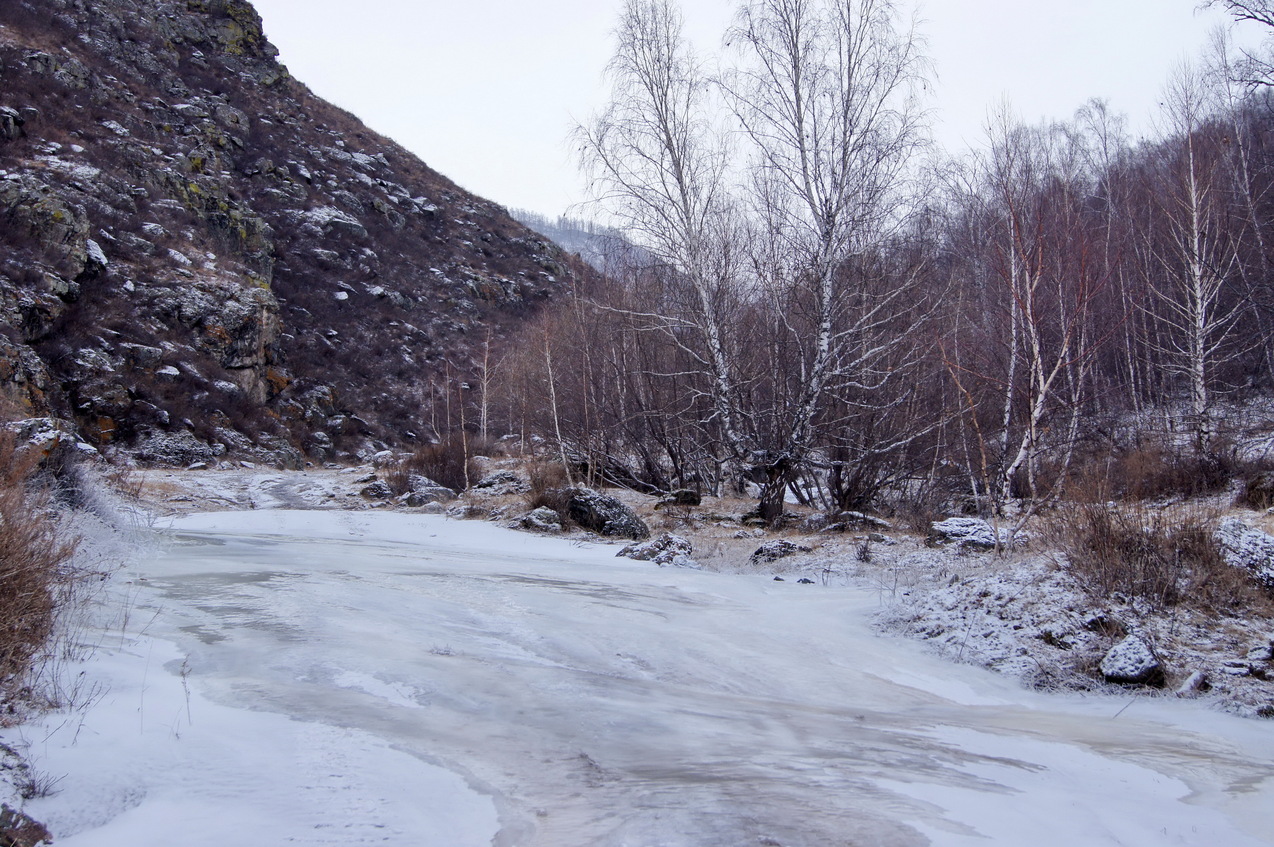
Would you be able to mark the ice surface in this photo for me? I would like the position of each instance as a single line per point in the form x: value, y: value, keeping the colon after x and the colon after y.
x: 327, y: 677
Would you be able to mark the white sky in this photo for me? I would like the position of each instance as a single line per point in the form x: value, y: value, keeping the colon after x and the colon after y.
x: 486, y: 91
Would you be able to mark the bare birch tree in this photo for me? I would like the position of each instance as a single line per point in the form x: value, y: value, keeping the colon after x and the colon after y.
x: 1194, y: 292
x: 658, y: 163
x: 828, y: 97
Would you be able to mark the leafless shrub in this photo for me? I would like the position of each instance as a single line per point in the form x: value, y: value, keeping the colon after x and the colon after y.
x: 545, y: 475
x: 448, y: 462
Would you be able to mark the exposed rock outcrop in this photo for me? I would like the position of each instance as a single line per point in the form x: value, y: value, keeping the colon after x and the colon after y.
x: 605, y: 515
x: 186, y: 230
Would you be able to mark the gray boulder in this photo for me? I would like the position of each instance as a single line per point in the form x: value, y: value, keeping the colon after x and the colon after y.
x: 665, y: 550
x: 378, y: 490
x: 1247, y: 548
x: 421, y: 491
x: 965, y: 531
x: 504, y: 481
x: 605, y: 515
x: 542, y: 519
x: 1132, y: 662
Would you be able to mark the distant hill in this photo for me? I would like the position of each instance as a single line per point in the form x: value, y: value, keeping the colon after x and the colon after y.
x: 200, y: 257
x: 596, y: 244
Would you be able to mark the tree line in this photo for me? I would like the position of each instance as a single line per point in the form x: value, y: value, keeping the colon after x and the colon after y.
x: 815, y: 303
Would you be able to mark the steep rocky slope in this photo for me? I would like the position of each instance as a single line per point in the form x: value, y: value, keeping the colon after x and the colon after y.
x: 199, y: 256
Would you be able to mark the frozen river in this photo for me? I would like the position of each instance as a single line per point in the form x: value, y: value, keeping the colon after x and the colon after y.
x: 306, y: 678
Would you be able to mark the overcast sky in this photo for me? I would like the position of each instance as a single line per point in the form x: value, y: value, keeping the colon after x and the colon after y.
x: 486, y: 91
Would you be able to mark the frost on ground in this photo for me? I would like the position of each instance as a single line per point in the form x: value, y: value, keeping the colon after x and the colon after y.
x: 1025, y: 616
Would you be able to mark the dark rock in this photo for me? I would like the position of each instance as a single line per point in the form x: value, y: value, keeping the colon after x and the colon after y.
x: 805, y: 581
x: 772, y: 551
x: 11, y: 122
x: 684, y: 497
x: 605, y: 515
x: 1132, y: 662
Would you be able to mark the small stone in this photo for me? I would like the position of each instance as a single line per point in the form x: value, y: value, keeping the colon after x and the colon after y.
x: 1195, y: 683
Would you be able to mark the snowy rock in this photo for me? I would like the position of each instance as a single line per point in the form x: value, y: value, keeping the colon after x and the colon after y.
x: 859, y: 519
x: 1195, y: 683
x: 503, y: 482
x: 1262, y: 652
x: 772, y: 551
x: 1247, y: 548
x: 378, y: 490
x: 542, y: 519
x: 1132, y: 662
x: 422, y: 490
x: 665, y: 550
x: 967, y: 532
x: 93, y: 251
x: 178, y: 449
x: 605, y: 515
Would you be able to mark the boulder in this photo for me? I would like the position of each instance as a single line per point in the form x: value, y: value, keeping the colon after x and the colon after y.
x: 779, y: 548
x: 605, y: 515
x: 542, y: 519
x: 1247, y: 548
x: 665, y: 550
x: 11, y: 122
x: 178, y: 449
x: 378, y: 490
x: 966, y: 532
x: 422, y: 490
x: 503, y: 482
x: 1132, y: 662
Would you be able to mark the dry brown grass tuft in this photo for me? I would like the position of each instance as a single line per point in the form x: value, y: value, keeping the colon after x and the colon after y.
x: 34, y: 558
x: 1165, y: 557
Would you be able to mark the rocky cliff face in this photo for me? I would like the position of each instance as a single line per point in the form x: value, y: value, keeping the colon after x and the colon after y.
x: 199, y: 256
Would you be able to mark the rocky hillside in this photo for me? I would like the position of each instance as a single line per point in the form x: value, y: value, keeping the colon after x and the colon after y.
x: 200, y: 257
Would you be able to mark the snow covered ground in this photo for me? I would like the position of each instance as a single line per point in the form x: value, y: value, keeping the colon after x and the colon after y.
x: 310, y: 678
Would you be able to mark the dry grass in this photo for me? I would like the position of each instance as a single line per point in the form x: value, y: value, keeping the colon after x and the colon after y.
x: 1165, y: 557
x: 34, y: 572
